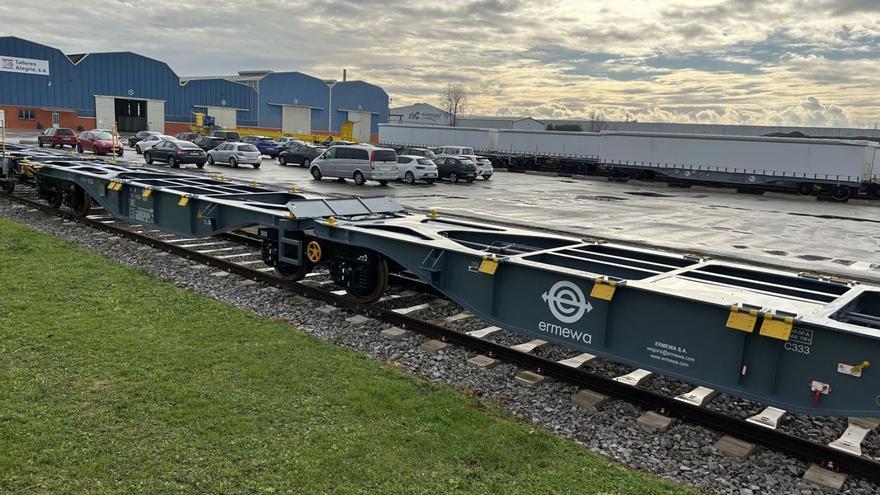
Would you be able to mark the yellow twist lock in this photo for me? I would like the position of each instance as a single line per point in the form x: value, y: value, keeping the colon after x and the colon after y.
x: 331, y: 222
x: 433, y: 213
x: 777, y: 327
x: 184, y: 200
x: 742, y: 319
x: 489, y: 265
x: 147, y: 193
x: 859, y: 367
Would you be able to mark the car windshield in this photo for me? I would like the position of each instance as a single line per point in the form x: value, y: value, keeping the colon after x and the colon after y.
x: 187, y: 145
x: 64, y: 132
x: 247, y: 147
x: 103, y: 135
x: 425, y: 161
x: 467, y: 151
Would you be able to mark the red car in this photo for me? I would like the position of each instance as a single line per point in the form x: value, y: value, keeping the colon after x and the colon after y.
x: 57, y: 136
x: 99, y: 142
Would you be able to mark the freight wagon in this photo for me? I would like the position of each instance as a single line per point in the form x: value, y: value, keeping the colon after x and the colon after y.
x: 836, y: 168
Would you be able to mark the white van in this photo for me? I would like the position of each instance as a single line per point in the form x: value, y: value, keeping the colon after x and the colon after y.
x: 359, y: 163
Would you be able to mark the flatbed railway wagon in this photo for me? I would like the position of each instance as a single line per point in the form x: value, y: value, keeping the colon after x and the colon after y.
x: 802, y: 342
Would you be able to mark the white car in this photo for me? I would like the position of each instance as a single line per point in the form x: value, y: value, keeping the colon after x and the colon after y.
x: 484, y: 166
x: 411, y: 168
x: 236, y: 154
x: 151, y: 141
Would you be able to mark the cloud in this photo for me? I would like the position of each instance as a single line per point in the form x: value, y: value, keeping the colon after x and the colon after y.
x: 809, y: 62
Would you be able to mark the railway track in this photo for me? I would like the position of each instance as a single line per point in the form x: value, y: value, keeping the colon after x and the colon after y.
x: 238, y: 253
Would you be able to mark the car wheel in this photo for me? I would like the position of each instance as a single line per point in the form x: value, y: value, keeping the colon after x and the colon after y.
x: 453, y: 177
x: 79, y: 148
x: 409, y: 178
x: 257, y: 165
x: 200, y: 165
x: 487, y: 177
x: 53, y: 145
x: 281, y: 160
x: 97, y: 151
x: 137, y: 149
x: 172, y: 162
x: 40, y: 142
x: 233, y: 163
x: 306, y: 163
x: 316, y: 173
x: 148, y: 158
x: 210, y: 160
x: 469, y: 180
x: 359, y: 178
x: 120, y: 152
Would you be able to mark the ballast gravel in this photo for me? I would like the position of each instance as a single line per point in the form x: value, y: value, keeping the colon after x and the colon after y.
x: 684, y: 453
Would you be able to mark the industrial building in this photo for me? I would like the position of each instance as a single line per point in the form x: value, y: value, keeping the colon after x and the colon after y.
x: 40, y: 86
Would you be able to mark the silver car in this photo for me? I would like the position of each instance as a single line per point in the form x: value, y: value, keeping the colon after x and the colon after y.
x: 235, y: 154
x: 357, y: 162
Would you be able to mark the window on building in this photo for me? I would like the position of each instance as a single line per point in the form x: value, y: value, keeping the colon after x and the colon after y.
x: 26, y: 114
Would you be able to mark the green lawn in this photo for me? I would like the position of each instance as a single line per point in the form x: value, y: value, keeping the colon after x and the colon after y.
x: 113, y: 382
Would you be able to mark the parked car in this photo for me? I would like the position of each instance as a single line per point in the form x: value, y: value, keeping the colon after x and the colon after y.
x: 411, y: 168
x: 187, y: 136
x: 456, y: 168
x: 264, y: 144
x: 425, y: 152
x: 176, y: 153
x: 356, y: 162
x: 151, y: 141
x: 303, y: 154
x: 235, y: 154
x: 285, y: 141
x: 208, y: 143
x: 57, y: 136
x: 230, y: 136
x: 141, y: 135
x: 99, y: 143
x: 484, y: 168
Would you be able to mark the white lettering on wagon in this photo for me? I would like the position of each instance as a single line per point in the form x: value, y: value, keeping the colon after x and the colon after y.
x: 565, y: 332
x: 670, y: 353
x: 799, y: 341
x: 568, y: 304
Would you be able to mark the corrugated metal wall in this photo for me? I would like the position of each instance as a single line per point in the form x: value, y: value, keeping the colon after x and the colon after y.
x: 129, y: 75
x: 363, y: 97
x: 292, y: 88
x: 123, y: 74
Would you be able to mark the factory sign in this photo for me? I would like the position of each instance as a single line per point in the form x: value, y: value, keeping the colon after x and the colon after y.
x: 24, y: 65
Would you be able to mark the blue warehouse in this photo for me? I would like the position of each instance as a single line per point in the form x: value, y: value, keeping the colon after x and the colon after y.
x: 40, y: 86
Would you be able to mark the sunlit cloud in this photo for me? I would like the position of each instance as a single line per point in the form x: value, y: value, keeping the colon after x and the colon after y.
x: 796, y: 62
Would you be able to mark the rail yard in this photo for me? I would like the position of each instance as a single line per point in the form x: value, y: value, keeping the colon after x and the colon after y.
x: 470, y: 247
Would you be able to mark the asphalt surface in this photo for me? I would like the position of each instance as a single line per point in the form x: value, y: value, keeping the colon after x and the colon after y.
x: 797, y: 232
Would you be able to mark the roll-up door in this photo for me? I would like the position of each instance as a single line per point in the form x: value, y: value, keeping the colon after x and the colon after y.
x: 156, y: 115
x: 223, y: 117
x: 105, y: 112
x: 296, y: 120
x: 361, y: 127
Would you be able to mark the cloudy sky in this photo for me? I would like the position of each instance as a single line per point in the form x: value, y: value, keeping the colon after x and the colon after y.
x: 794, y: 62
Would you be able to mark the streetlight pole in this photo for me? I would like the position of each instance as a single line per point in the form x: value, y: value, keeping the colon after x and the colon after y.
x: 330, y: 83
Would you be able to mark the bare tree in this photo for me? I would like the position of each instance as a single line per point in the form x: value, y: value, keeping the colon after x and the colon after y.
x: 455, y: 101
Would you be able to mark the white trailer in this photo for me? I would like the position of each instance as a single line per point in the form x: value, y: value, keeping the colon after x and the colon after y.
x: 430, y: 136
x: 827, y: 159
x: 549, y: 143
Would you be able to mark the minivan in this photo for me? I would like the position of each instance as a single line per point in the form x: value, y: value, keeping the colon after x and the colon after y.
x: 230, y: 136
x: 359, y: 163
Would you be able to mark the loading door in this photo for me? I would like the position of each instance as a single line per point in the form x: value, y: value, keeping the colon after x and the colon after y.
x: 296, y: 120
x: 361, y: 128
x: 156, y: 115
x: 105, y: 112
x: 223, y: 117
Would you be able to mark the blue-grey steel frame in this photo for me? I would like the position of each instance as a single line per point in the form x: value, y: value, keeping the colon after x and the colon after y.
x: 798, y: 341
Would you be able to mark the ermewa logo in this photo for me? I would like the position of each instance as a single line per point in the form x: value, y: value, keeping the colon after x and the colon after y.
x: 567, y: 302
